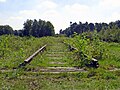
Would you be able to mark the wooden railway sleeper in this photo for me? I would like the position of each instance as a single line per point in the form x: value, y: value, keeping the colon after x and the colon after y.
x: 29, y: 59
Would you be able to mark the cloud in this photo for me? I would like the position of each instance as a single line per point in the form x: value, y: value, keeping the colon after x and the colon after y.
x: 47, y: 5
x: 2, y: 0
x: 114, y: 16
x: 16, y: 18
x: 29, y: 14
x: 110, y: 3
x: 77, y: 7
x: 15, y: 21
x: 61, y: 15
x: 107, y: 10
x: 76, y: 11
x: 51, y: 11
x: 45, y: 11
x: 56, y: 18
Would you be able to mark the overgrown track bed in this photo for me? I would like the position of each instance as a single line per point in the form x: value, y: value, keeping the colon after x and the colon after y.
x: 56, y: 58
x: 57, y: 54
x: 53, y: 69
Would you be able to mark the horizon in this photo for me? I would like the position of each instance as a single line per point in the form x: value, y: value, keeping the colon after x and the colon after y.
x: 59, y: 13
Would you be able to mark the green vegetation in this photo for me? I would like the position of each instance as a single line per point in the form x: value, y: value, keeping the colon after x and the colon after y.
x: 112, y: 60
x: 56, y: 55
x: 107, y: 54
x: 6, y: 29
x: 38, y: 28
x: 86, y: 49
x: 34, y: 28
x: 92, y: 80
x: 107, y: 32
x: 14, y: 50
x: 51, y: 69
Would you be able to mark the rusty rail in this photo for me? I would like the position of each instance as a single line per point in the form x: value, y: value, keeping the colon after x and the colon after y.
x: 29, y: 59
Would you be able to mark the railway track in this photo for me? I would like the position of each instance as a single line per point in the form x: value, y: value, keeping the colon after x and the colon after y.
x: 50, y: 58
x: 57, y: 58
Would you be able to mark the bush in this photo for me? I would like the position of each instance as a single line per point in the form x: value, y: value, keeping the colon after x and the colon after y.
x: 87, y: 48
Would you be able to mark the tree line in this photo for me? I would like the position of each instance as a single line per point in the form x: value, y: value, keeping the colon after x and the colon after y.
x: 40, y: 28
x: 34, y: 28
x: 106, y: 32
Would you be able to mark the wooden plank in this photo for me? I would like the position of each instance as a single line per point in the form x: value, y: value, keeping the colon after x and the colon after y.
x: 34, y: 54
x: 29, y: 59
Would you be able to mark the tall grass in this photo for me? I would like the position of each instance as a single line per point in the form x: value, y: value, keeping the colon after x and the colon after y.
x: 86, y: 49
x: 14, y: 50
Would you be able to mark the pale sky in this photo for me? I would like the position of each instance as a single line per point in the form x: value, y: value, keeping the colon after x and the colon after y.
x: 59, y: 12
